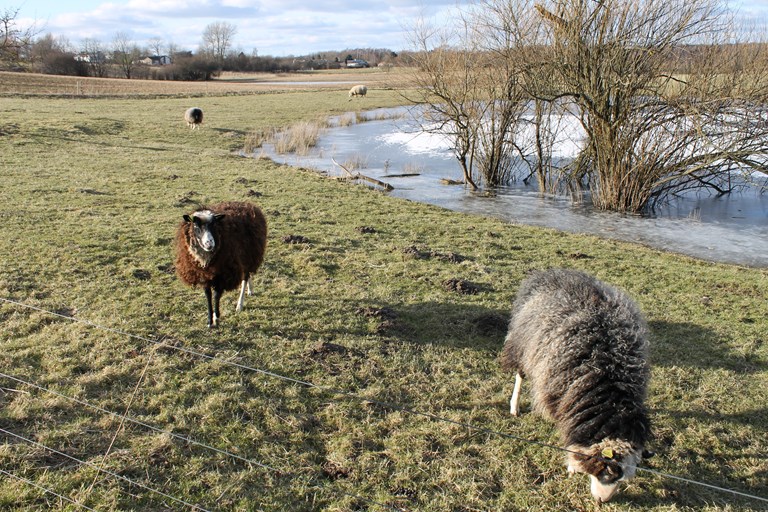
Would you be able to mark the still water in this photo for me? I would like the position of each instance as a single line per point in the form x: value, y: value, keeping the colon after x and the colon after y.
x: 730, y: 229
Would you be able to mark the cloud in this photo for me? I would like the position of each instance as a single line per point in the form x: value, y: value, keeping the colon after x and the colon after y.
x: 274, y: 27
x: 216, y: 9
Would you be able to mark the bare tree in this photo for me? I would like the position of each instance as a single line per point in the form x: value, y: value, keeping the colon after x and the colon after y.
x: 173, y: 49
x: 156, y: 45
x: 55, y: 55
x: 42, y: 48
x: 472, y: 96
x: 217, y: 39
x: 650, y: 131
x: 658, y: 89
x: 14, y: 40
x: 93, y: 53
x: 125, y: 53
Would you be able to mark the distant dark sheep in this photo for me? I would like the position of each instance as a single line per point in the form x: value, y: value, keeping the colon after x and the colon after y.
x: 358, y: 90
x: 583, y: 345
x: 194, y: 117
x: 218, y: 248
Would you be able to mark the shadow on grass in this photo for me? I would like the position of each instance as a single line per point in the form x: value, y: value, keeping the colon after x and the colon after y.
x: 453, y: 325
x: 709, y: 465
x: 689, y: 345
x: 62, y: 135
x: 756, y: 418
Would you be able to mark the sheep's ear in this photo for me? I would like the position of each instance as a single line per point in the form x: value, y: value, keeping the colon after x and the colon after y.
x: 187, y: 218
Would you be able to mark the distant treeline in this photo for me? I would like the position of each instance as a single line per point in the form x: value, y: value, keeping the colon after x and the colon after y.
x: 189, y: 67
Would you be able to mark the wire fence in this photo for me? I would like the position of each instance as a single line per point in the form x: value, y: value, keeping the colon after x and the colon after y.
x: 334, y: 394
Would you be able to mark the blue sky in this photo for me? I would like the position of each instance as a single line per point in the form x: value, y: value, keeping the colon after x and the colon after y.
x: 272, y: 27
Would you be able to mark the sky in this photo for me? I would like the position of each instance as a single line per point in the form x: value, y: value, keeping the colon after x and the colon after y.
x: 270, y: 27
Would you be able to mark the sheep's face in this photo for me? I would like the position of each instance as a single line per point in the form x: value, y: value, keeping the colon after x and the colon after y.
x: 606, y: 463
x: 204, y: 229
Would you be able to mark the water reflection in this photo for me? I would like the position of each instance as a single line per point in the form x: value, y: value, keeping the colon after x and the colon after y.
x: 731, y: 229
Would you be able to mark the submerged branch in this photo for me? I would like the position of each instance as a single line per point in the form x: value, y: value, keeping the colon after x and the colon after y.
x: 357, y: 176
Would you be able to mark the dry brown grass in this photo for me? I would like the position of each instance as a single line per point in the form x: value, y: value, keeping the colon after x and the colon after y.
x: 299, y: 138
x: 356, y: 162
x: 347, y: 119
x: 256, y: 138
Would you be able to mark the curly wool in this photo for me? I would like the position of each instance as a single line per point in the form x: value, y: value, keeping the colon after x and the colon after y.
x: 583, y: 345
x: 193, y: 116
x: 241, y: 239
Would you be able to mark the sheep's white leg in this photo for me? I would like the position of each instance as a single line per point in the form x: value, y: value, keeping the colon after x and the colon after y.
x: 249, y: 287
x: 242, y: 296
x: 514, y: 402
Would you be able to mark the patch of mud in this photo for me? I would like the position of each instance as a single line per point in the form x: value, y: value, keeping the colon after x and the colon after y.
x: 295, y: 239
x: 460, y: 286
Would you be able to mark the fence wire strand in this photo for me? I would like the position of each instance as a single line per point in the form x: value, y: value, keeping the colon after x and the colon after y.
x: 185, y: 439
x: 102, y: 470
x: 178, y: 437
x: 44, y: 489
x: 359, y: 398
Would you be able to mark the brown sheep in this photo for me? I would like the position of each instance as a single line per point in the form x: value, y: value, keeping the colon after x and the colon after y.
x: 219, y: 247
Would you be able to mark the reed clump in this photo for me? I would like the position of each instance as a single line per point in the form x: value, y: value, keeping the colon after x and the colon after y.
x: 300, y: 138
x: 256, y: 139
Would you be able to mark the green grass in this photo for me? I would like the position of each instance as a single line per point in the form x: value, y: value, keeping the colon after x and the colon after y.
x: 91, y: 193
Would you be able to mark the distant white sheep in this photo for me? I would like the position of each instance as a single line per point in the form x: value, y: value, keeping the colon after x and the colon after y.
x: 194, y: 117
x: 358, y: 90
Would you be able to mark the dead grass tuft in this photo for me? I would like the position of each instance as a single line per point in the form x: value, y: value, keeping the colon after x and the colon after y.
x: 299, y: 138
x: 256, y: 139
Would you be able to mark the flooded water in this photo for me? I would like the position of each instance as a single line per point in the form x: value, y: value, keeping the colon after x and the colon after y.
x: 730, y: 229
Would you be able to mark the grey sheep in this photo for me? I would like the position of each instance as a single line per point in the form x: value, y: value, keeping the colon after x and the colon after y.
x: 583, y: 345
x: 218, y: 248
x: 358, y: 90
x: 194, y: 117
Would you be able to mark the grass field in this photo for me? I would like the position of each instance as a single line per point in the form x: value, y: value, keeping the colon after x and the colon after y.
x: 15, y: 84
x: 106, y: 359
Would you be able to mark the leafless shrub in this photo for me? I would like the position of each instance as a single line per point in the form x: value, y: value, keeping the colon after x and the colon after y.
x: 667, y: 98
x: 472, y: 95
x: 651, y: 130
x: 410, y: 168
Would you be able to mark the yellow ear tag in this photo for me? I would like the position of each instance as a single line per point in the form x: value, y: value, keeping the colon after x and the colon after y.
x: 607, y: 453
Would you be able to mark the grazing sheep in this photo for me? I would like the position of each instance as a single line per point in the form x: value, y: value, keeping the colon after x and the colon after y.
x: 218, y: 248
x: 358, y: 90
x: 194, y: 117
x: 583, y: 345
